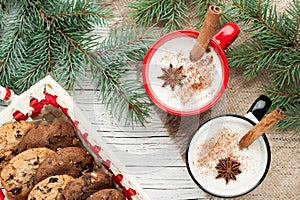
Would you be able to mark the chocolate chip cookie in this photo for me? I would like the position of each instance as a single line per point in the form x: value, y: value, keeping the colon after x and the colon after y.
x: 86, y: 185
x: 52, y: 136
x: 49, y: 188
x: 69, y: 160
x: 18, y: 175
x: 11, y: 135
x: 107, y: 194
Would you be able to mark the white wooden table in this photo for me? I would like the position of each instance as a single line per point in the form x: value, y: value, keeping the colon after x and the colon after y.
x: 148, y: 152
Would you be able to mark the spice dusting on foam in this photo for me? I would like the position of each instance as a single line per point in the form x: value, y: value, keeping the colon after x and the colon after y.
x: 225, y: 146
x: 199, y: 76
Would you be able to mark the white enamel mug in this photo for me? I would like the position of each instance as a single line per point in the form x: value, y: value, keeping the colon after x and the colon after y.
x: 255, y: 161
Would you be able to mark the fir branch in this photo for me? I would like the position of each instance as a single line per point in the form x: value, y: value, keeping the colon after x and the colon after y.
x: 30, y: 75
x: 273, y: 48
x: 87, y: 12
x: 2, y: 12
x: 35, y: 63
x: 61, y: 27
x: 72, y: 42
x: 294, y: 12
x: 12, y: 46
x: 287, y: 75
x: 289, y: 101
x: 128, y: 43
x: 271, y: 36
x: 46, y: 37
x: 262, y: 20
x: 169, y: 14
x: 115, y: 77
x: 123, y: 98
x: 282, y: 97
x: 292, y: 119
x: 173, y: 14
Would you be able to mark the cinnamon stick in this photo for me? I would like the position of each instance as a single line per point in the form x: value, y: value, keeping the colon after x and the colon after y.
x: 266, y: 123
x: 207, y: 30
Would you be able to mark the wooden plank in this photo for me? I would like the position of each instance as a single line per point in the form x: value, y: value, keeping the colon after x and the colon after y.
x: 147, y: 152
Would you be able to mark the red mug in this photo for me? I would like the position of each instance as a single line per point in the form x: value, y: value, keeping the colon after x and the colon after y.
x: 173, y: 49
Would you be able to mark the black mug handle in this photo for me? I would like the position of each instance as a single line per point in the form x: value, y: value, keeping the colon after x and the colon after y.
x: 260, y: 107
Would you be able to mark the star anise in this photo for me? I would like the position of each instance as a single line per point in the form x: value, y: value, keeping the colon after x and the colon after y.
x: 228, y: 169
x: 172, y: 76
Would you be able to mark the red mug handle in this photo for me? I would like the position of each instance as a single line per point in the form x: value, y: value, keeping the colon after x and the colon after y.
x: 226, y: 35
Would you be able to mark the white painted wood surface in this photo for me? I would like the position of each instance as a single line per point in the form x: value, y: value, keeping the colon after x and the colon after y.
x: 147, y: 152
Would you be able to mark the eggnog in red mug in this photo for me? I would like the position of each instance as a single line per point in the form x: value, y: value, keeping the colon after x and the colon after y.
x: 197, y: 85
x: 218, y: 139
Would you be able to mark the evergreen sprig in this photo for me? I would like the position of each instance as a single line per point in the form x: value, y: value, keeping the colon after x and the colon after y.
x: 115, y: 75
x: 173, y: 14
x: 289, y: 100
x: 46, y: 37
x: 273, y: 47
x: 55, y: 37
x: 169, y: 14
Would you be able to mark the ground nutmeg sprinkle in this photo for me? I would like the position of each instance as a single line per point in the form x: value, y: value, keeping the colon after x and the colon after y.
x: 225, y: 146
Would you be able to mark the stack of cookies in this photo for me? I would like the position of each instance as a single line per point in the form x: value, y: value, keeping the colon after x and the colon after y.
x: 48, y: 162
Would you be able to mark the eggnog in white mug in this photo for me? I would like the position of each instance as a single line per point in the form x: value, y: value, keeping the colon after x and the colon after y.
x: 254, y: 161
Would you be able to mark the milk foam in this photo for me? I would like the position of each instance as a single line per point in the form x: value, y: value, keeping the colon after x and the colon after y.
x: 254, y: 160
x: 176, y: 51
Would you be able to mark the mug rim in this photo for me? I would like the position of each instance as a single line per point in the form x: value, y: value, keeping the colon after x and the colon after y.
x: 265, y: 139
x: 167, y: 37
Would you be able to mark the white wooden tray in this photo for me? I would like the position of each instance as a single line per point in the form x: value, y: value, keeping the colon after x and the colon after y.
x: 49, y: 92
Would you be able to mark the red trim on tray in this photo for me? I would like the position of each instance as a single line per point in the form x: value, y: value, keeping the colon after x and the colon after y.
x: 36, y: 105
x: 75, y: 124
x: 17, y: 115
x: 85, y: 136
x: 151, y: 51
x: 96, y: 149
x: 129, y: 193
x: 118, y: 178
x: 50, y: 99
x: 2, y: 197
x: 7, y: 95
x: 106, y: 164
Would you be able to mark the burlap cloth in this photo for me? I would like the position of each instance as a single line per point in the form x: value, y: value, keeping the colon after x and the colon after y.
x: 283, y: 179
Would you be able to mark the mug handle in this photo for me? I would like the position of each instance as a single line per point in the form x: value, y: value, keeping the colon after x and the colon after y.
x: 259, y: 108
x: 226, y: 35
